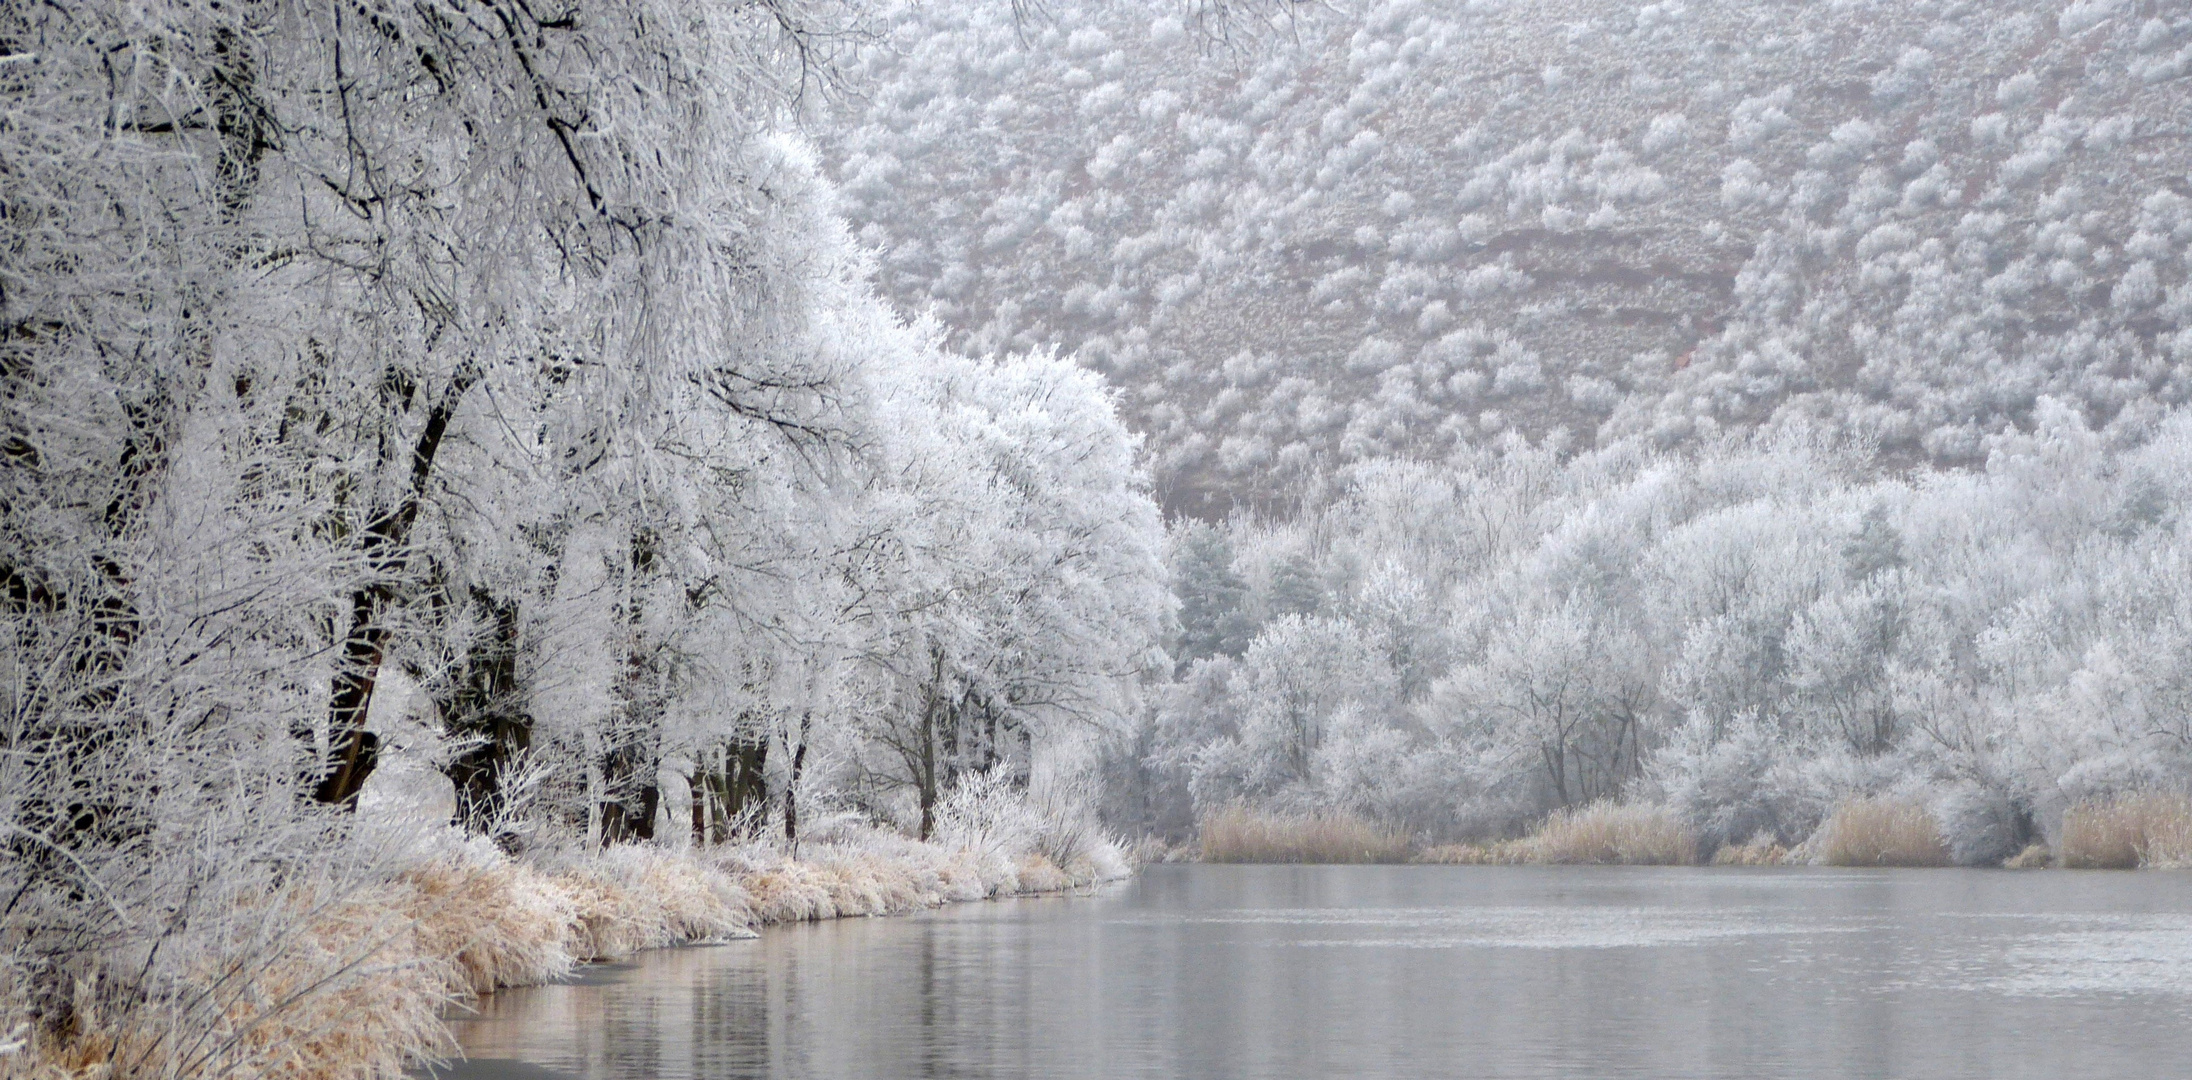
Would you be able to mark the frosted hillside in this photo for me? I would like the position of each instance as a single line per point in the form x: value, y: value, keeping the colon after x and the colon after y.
x: 1399, y: 227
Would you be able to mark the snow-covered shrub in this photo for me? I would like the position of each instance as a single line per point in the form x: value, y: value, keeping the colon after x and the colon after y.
x: 1982, y: 827
x: 1067, y: 833
x: 986, y: 813
x: 1737, y: 785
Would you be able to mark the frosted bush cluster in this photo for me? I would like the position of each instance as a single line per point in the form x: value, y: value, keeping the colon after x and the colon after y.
x: 1749, y: 634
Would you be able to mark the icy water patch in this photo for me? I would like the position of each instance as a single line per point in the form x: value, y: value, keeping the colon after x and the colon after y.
x: 1406, y: 971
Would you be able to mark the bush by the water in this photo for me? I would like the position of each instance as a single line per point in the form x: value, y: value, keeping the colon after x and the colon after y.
x: 1238, y: 834
x: 1880, y: 832
x: 2127, y: 832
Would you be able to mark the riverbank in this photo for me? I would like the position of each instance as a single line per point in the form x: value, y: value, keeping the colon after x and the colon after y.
x: 353, y: 983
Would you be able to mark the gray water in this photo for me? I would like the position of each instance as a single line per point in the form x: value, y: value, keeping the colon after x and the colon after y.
x: 1413, y: 971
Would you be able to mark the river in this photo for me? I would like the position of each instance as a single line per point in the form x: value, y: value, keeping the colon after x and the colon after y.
x: 1215, y: 972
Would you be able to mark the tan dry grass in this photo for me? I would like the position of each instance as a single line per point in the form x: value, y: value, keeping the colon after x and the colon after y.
x: 1880, y: 832
x: 607, y: 922
x: 2127, y: 832
x: 1240, y: 835
x: 1606, y: 833
x: 2033, y: 857
x: 2169, y: 836
x: 352, y: 988
x: 1504, y: 853
x: 1040, y: 875
x: 383, y: 1010
x: 318, y: 987
x: 1762, y: 850
x: 502, y: 923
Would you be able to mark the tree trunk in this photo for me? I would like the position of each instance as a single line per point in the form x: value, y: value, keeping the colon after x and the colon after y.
x: 791, y: 784
x: 699, y: 786
x: 631, y: 791
x: 629, y: 798
x: 745, y: 778
x: 352, y: 750
x: 925, y: 769
x: 484, y: 709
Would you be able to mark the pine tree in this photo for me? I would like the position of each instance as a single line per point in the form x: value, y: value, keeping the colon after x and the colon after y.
x: 1214, y: 617
x: 1877, y: 546
x: 1295, y: 588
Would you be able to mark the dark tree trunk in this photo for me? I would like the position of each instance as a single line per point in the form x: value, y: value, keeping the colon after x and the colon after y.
x: 745, y: 778
x: 628, y: 767
x: 631, y: 793
x: 990, y: 753
x: 925, y: 762
x: 485, y: 711
x: 352, y: 750
x: 730, y: 782
x: 699, y: 788
x: 791, y: 784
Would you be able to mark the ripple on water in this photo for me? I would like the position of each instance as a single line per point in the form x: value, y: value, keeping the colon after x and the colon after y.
x: 1597, y: 927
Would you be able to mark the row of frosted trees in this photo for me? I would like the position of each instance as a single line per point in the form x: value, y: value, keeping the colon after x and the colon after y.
x: 1749, y: 634
x: 488, y: 385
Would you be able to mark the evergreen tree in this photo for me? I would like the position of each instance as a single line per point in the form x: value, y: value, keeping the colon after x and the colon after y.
x: 1214, y: 618
x: 1877, y: 546
x: 1295, y: 588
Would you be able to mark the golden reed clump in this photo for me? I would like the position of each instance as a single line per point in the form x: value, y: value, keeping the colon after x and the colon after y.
x: 1762, y: 850
x: 1610, y: 834
x: 2152, y: 829
x: 1237, y: 834
x: 1880, y: 832
x: 1500, y: 853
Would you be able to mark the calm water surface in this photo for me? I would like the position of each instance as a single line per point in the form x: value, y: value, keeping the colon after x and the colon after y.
x: 1413, y: 971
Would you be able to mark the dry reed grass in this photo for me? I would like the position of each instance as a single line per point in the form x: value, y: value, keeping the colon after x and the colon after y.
x: 2152, y: 829
x: 380, y: 1012
x: 311, y: 986
x: 1880, y: 832
x: 1762, y: 850
x: 1606, y: 833
x: 353, y: 987
x: 835, y: 881
x: 1505, y: 853
x: 1240, y: 835
x: 501, y: 923
x: 2033, y: 857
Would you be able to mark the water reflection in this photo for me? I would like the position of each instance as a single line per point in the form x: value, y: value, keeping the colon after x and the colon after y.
x: 1284, y: 972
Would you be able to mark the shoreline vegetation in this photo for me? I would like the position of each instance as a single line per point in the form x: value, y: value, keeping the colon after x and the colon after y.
x: 354, y: 983
x: 2147, y: 830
